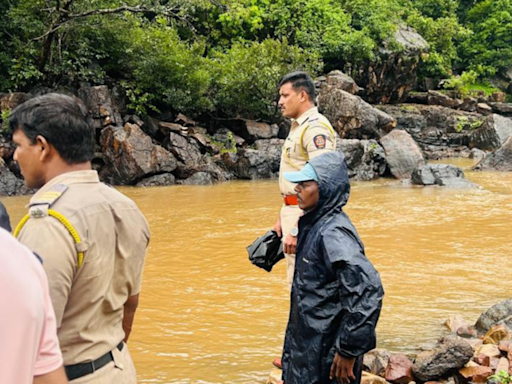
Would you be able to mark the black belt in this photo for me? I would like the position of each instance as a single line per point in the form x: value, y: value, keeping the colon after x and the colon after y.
x: 78, y: 370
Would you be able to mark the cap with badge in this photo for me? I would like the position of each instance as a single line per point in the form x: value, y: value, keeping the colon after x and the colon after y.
x: 307, y: 173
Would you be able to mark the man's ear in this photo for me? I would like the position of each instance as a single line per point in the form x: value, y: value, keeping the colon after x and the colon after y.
x: 44, y: 146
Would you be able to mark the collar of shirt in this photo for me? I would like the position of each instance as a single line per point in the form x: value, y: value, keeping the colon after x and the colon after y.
x: 306, y: 115
x: 68, y: 178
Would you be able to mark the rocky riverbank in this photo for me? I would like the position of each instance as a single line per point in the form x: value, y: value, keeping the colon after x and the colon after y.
x: 378, y: 141
x: 466, y: 354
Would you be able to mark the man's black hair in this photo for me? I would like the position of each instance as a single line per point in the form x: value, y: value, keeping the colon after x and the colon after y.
x: 62, y: 120
x: 301, y: 81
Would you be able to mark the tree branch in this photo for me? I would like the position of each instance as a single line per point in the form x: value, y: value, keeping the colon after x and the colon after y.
x: 125, y: 8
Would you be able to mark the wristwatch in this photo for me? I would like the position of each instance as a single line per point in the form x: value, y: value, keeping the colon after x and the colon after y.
x: 294, y: 231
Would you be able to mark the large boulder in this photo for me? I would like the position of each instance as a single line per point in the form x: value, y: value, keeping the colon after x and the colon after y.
x: 492, y: 134
x: 500, y: 313
x: 403, y: 155
x: 445, y: 175
x: 499, y: 160
x: 185, y: 149
x: 453, y: 353
x: 392, y: 74
x: 103, y: 109
x: 351, y: 116
x: 130, y: 155
x: 365, y: 159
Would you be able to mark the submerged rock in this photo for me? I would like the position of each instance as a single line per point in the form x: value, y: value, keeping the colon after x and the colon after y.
x: 445, y: 175
x: 158, y: 180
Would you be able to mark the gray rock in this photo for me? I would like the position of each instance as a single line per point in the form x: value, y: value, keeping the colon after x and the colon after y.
x: 445, y: 175
x: 199, y: 178
x: 256, y: 163
x: 492, y: 134
x: 403, y: 155
x: 9, y: 184
x: 477, y: 154
x: 500, y: 313
x: 158, y: 180
x: 499, y: 160
x: 351, y: 116
x: 130, y: 155
x: 452, y: 354
x: 365, y: 159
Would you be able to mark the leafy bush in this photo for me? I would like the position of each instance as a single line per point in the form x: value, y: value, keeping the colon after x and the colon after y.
x: 245, y: 78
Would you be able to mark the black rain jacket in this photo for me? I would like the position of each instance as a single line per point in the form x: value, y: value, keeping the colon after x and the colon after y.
x: 336, y: 294
x: 4, y: 218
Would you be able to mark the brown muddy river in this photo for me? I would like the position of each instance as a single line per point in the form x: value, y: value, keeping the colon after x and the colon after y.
x: 208, y: 316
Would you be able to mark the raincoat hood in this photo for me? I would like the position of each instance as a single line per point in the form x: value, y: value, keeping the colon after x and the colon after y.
x: 333, y: 186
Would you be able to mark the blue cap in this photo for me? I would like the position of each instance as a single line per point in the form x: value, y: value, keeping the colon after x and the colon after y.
x: 307, y: 173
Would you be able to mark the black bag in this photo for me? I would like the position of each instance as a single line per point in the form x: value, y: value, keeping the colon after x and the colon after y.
x: 266, y: 251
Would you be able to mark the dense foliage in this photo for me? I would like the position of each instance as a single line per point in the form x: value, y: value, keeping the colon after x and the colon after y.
x: 225, y: 57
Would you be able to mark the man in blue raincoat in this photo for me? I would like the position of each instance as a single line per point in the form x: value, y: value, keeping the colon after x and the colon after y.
x: 336, y: 294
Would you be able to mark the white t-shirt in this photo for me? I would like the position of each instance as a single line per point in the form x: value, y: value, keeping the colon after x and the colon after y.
x: 28, y: 336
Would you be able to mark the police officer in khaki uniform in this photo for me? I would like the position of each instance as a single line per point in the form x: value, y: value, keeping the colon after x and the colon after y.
x: 310, y: 135
x: 92, y: 238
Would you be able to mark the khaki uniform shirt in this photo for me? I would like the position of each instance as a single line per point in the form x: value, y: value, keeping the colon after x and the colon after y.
x: 310, y: 135
x: 88, y: 301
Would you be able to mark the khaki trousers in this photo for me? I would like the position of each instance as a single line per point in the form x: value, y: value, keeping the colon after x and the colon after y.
x: 119, y: 371
x: 290, y: 215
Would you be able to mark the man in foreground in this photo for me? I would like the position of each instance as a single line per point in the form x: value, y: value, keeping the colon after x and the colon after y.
x: 91, y: 238
x: 29, y: 348
x: 336, y: 293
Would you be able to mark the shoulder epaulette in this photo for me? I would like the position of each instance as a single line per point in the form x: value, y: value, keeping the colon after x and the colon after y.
x: 39, y: 208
